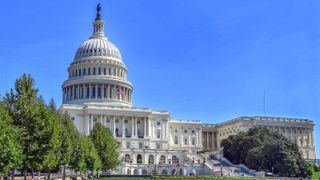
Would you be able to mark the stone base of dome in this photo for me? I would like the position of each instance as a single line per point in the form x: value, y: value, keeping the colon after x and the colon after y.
x: 107, y: 103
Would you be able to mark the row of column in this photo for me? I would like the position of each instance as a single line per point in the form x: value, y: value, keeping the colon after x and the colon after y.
x: 96, y: 91
x: 98, y: 71
x: 209, y: 140
x: 294, y: 133
x: 110, y: 122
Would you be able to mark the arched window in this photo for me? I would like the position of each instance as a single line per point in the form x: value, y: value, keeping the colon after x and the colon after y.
x: 139, y: 159
x: 128, y: 171
x: 135, y: 171
x: 175, y: 160
x: 151, y: 159
x: 117, y: 132
x: 173, y: 172
x: 176, y: 140
x: 164, y: 172
x: 158, y: 134
x: 162, y: 159
x: 181, y: 172
x: 144, y: 172
x: 127, y: 158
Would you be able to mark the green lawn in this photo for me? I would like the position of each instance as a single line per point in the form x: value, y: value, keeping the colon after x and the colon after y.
x: 316, y: 175
x: 182, y: 178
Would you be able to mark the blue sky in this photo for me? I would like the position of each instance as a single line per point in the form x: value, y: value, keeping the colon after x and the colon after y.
x: 199, y: 59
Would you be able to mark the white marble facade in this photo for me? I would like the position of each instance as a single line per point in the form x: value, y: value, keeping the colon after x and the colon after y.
x: 97, y: 90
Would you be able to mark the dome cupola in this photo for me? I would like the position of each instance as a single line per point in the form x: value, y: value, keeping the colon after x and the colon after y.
x: 97, y: 74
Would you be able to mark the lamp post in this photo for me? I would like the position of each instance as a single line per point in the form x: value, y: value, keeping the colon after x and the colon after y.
x: 193, y: 168
x: 204, y: 167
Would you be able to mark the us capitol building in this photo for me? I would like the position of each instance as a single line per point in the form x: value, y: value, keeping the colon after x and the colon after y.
x: 98, y: 90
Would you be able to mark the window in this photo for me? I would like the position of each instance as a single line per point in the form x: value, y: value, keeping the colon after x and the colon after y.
x: 99, y: 71
x: 151, y: 159
x: 158, y: 123
x: 185, y: 141
x: 88, y: 92
x: 158, y: 134
x: 94, y: 71
x: 99, y: 92
x: 138, y: 121
x: 158, y: 146
x: 193, y: 141
x: 84, y: 71
x: 162, y: 159
x: 185, y: 131
x: 192, y: 131
x: 128, y: 145
x: 127, y: 158
x: 89, y: 71
x: 79, y: 72
x: 108, y: 120
x: 104, y: 71
x: 140, y: 145
x: 73, y: 118
x: 139, y: 133
x: 139, y: 159
x: 126, y: 121
x: 176, y: 130
x: 126, y: 132
x: 117, y: 120
x: 176, y: 140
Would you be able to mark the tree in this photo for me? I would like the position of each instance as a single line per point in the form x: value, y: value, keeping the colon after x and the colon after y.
x: 264, y: 150
x: 92, y: 158
x: 106, y: 146
x: 39, y: 130
x: 10, y: 149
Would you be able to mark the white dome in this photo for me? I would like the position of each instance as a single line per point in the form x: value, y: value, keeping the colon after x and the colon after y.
x: 99, y: 46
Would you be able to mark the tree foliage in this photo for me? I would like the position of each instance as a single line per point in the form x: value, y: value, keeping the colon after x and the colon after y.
x: 10, y: 149
x: 262, y: 149
x: 38, y: 129
x: 106, y: 146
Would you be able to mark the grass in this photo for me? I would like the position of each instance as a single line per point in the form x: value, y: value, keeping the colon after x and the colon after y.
x: 182, y: 178
x: 316, y: 175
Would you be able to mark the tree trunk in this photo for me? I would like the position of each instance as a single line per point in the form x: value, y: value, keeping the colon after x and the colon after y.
x: 25, y: 175
x: 63, y: 172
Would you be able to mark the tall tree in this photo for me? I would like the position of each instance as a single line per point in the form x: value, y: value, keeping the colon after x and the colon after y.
x: 106, y: 146
x: 38, y: 129
x: 10, y: 149
x: 92, y: 158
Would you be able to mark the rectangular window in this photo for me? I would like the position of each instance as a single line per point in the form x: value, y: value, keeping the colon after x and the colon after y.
x: 158, y: 146
x: 158, y: 134
x: 93, y: 92
x: 99, y: 92
x: 104, y: 71
x: 193, y: 142
x: 94, y: 71
x: 140, y: 145
x: 158, y: 123
x: 79, y: 72
x: 88, y: 92
x: 117, y: 120
x: 105, y: 92
x: 108, y: 120
x: 128, y: 145
x: 84, y: 71
x: 99, y: 71
x: 89, y: 71
x: 138, y: 121
x: 126, y: 121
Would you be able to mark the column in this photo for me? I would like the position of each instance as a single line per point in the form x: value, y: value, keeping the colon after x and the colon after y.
x: 91, y: 122
x: 149, y: 127
x: 109, y: 92
x: 136, y: 127
x: 132, y: 126
x: 88, y: 124
x: 114, y: 125
x: 102, y: 91
x: 84, y: 92
x: 101, y: 119
x: 96, y: 91
x: 90, y: 91
x: 78, y: 92
x: 123, y: 128
x: 144, y: 127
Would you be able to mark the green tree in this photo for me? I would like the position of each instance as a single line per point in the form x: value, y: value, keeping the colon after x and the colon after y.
x: 92, y: 158
x: 10, y: 149
x: 264, y: 150
x: 106, y: 146
x: 39, y: 130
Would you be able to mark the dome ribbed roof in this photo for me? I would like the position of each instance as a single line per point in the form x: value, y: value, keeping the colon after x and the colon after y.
x: 99, y: 46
